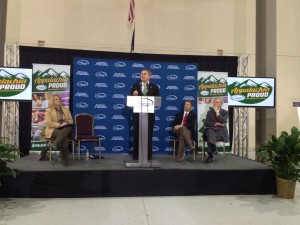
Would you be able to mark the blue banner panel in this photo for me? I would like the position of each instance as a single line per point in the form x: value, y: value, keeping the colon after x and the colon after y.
x: 102, y: 85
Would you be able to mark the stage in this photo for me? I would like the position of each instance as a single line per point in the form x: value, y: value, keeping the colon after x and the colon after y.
x: 109, y: 177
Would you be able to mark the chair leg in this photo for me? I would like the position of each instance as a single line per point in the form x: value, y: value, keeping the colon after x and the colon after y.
x: 50, y: 154
x: 78, y: 150
x: 174, y: 148
x: 194, y: 157
x: 99, y: 148
x: 224, y: 150
x: 73, y: 150
x: 203, y: 150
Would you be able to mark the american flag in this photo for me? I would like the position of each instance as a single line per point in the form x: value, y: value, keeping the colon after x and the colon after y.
x: 131, y: 15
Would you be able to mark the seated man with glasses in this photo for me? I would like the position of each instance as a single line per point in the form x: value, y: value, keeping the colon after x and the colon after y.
x: 215, y: 128
x: 184, y: 128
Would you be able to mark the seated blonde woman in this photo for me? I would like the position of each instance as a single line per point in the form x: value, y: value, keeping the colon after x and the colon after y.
x: 57, y: 119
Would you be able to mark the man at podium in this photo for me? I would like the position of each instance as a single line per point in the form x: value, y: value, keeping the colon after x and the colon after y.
x: 143, y: 88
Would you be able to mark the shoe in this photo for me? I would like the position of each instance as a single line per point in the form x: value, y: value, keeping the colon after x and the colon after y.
x: 53, y: 146
x: 65, y: 162
x: 192, y: 147
x: 179, y: 160
x: 43, y: 156
x: 209, y: 160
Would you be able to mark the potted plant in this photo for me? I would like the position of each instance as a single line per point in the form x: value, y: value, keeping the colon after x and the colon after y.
x: 7, y: 155
x: 283, y: 155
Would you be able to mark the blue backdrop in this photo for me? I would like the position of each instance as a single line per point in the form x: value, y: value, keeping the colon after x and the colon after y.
x: 100, y: 88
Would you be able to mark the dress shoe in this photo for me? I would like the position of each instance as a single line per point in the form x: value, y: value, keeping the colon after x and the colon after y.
x: 192, y: 147
x: 179, y: 160
x: 209, y: 160
x: 43, y: 156
x: 65, y: 162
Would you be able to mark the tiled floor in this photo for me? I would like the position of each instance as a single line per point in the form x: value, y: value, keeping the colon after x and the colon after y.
x: 192, y: 210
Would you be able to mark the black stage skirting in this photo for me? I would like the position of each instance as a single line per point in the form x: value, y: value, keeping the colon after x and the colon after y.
x: 110, y: 178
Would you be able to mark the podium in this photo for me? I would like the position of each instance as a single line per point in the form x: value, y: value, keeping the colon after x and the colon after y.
x: 143, y: 105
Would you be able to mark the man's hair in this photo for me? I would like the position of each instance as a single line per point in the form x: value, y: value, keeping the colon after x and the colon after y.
x: 221, y: 100
x: 148, y: 71
x: 190, y: 101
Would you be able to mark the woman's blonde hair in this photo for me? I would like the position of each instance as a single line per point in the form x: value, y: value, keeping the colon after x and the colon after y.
x: 52, y: 100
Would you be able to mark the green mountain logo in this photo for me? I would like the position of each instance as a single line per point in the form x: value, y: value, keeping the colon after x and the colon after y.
x: 249, y: 92
x: 212, y: 87
x: 50, y: 80
x: 50, y: 73
x: 12, y: 84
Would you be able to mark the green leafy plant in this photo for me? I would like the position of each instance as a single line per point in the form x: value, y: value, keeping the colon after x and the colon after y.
x: 283, y: 154
x: 202, y: 128
x: 7, y: 155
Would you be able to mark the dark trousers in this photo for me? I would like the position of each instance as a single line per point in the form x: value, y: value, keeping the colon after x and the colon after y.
x: 61, y: 139
x: 211, y: 148
x: 151, y: 120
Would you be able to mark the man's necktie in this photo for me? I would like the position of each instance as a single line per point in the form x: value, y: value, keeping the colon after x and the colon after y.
x: 184, y: 118
x: 145, y: 90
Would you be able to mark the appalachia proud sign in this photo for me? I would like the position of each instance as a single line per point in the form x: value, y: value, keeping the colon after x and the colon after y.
x: 251, y: 91
x: 15, y: 84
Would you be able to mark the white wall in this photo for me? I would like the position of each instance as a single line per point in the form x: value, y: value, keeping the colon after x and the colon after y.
x: 164, y: 26
x: 77, y: 24
x: 288, y: 63
x: 196, y: 26
x: 192, y: 27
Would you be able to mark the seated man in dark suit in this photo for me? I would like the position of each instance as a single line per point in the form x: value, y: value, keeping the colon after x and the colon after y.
x: 215, y: 127
x: 184, y: 128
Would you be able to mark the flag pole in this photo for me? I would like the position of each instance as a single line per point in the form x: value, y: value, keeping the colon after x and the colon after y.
x: 131, y: 17
x: 133, y: 37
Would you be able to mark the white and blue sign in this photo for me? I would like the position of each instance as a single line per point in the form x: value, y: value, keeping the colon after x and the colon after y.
x: 100, y: 88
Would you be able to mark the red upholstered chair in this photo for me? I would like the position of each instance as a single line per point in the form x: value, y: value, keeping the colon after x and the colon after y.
x: 85, y: 131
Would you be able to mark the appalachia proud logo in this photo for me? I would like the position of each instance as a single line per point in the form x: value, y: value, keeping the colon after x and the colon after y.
x: 50, y: 80
x: 212, y: 86
x: 12, y: 84
x: 249, y: 92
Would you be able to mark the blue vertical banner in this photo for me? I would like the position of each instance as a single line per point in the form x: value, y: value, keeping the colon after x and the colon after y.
x: 101, y: 86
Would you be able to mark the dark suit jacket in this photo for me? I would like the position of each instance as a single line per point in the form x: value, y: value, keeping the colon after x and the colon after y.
x: 210, y: 121
x: 190, y: 121
x: 153, y: 89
